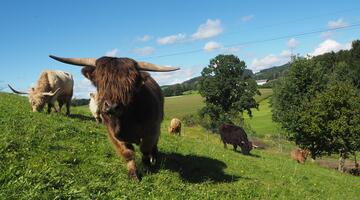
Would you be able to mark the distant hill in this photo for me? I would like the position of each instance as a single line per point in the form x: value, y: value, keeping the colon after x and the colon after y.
x: 272, y: 73
x: 180, y: 88
x: 191, y: 84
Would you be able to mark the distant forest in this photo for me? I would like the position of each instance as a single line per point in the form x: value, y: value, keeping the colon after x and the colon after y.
x: 270, y: 74
x: 191, y: 84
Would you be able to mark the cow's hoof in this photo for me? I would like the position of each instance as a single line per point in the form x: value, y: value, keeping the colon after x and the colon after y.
x: 149, y: 161
x: 134, y: 176
x: 152, y: 160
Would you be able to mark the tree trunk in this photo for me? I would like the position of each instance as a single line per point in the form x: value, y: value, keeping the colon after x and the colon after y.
x: 341, y: 162
x: 356, y: 163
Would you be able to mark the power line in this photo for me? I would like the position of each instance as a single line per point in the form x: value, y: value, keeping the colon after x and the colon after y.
x: 301, y: 19
x: 353, y: 26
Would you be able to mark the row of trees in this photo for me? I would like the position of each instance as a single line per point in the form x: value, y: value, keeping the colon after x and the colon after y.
x: 180, y: 88
x: 318, y: 103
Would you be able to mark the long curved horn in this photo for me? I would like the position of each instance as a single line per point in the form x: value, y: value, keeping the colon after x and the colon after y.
x: 155, y: 68
x: 91, y: 62
x: 17, y: 92
x: 51, y: 94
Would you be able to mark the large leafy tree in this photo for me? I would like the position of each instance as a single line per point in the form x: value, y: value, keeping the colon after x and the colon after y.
x: 315, y: 97
x: 330, y: 122
x: 227, y: 90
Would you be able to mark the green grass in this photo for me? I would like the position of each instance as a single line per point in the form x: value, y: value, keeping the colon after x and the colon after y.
x: 261, y: 122
x: 265, y: 93
x: 51, y: 156
x: 179, y: 106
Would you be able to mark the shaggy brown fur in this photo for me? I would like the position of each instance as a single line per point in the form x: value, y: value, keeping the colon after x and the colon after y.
x: 299, y: 155
x: 235, y: 135
x: 131, y: 103
x: 175, y: 126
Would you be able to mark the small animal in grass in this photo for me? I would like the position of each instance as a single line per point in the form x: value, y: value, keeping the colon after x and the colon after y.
x: 300, y: 155
x: 175, y: 126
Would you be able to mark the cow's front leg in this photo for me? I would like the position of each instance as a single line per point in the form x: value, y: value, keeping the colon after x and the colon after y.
x: 148, y: 148
x: 225, y: 146
x: 50, y: 106
x: 126, y: 150
x: 68, y: 103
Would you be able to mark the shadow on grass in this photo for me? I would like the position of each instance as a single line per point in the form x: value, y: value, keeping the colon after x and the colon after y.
x: 254, y: 155
x: 195, y: 169
x: 250, y: 154
x: 81, y: 117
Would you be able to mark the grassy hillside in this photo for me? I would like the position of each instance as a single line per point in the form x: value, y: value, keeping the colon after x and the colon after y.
x: 178, y: 106
x: 261, y: 121
x: 52, y: 156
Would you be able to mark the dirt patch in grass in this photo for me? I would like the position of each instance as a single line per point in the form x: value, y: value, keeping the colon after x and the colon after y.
x: 333, y: 164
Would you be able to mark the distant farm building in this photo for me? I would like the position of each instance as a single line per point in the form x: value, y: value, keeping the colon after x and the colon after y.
x: 262, y: 82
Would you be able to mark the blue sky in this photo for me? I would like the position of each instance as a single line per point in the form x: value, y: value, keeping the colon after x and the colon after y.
x: 153, y: 31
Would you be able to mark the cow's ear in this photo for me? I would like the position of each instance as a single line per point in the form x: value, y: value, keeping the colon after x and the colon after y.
x: 88, y: 72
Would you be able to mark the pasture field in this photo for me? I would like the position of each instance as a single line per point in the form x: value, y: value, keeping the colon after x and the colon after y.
x: 179, y: 106
x: 51, y: 156
x: 261, y: 122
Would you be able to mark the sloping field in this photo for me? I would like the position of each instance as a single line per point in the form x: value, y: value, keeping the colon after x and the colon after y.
x: 51, y: 156
x: 178, y: 106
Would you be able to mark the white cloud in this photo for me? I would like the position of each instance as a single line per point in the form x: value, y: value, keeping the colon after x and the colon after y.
x: 171, y: 39
x: 144, y: 51
x: 210, y: 46
x: 327, y: 34
x: 270, y: 60
x: 292, y: 43
x: 230, y: 50
x: 329, y: 45
x: 337, y: 23
x: 265, y: 62
x: 247, y: 18
x: 112, y: 53
x: 210, y: 29
x: 285, y: 53
x: 83, y: 88
x: 176, y: 76
x: 144, y: 38
x: 348, y: 46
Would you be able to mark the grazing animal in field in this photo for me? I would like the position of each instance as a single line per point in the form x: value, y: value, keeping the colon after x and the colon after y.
x: 130, y: 102
x: 51, y: 86
x: 175, y: 126
x: 94, y: 108
x: 235, y: 135
x: 299, y: 155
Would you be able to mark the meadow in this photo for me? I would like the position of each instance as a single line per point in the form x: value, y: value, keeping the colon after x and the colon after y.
x: 51, y: 156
